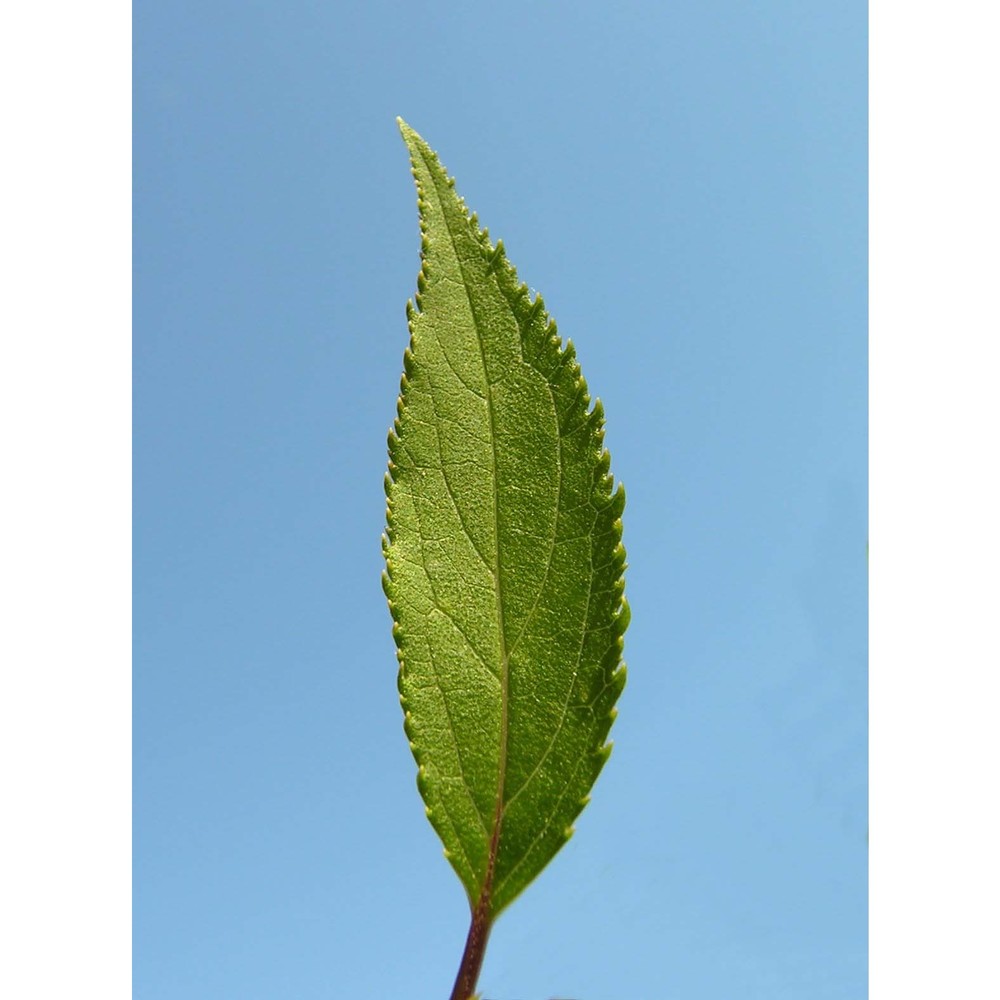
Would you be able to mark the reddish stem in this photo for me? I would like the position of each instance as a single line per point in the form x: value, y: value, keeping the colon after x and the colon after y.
x: 475, y: 951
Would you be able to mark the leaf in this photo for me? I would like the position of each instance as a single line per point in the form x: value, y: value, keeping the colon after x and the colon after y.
x: 503, y: 558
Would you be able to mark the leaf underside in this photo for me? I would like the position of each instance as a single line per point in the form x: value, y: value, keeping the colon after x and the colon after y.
x: 504, y: 562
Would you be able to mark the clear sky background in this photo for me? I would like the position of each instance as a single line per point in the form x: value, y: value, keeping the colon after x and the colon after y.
x: 686, y: 185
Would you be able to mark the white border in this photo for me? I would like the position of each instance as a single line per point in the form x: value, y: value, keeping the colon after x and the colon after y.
x: 65, y: 356
x: 935, y: 501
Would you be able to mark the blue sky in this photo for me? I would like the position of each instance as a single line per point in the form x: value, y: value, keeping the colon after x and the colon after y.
x: 686, y: 185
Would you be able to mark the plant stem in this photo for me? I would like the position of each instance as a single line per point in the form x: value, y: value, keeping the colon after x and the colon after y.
x: 475, y: 951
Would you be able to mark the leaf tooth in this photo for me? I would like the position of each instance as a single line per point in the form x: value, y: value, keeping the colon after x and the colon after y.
x: 616, y: 687
x: 495, y: 257
x: 554, y: 345
x: 622, y: 618
x: 421, y: 776
x: 597, y: 416
x: 617, y: 505
x: 602, y: 466
x: 615, y: 668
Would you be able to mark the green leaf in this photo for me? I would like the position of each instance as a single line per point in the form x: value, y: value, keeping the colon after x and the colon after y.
x: 503, y: 556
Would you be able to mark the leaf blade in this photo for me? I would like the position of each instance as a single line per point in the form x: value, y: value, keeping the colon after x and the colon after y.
x: 504, y: 558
